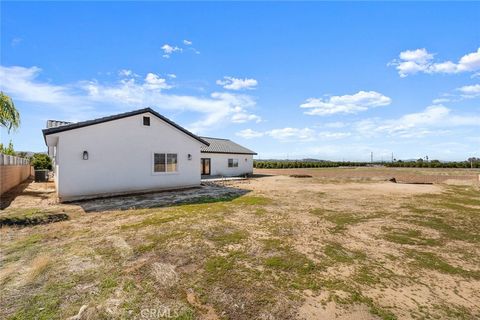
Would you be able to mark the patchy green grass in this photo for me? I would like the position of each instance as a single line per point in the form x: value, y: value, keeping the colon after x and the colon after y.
x: 454, y: 213
x: 260, y: 212
x: 354, y: 296
x: 223, y: 238
x: 341, y: 220
x: 160, y: 216
x: 252, y: 201
x: 429, y: 260
x: 447, y: 226
x: 22, y: 248
x: 290, y: 261
x: 338, y: 253
x: 44, y: 305
x: 409, y: 237
x: 290, y: 268
x: 223, y: 268
x: 252, y: 256
x: 155, y: 240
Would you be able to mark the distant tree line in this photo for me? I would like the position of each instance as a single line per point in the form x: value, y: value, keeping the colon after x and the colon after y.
x: 272, y: 164
x: 420, y: 163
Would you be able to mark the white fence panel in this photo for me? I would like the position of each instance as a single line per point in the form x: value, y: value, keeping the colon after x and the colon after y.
x: 7, y: 160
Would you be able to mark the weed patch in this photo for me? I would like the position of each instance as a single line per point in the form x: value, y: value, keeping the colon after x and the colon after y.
x: 229, y: 237
x: 409, y: 237
x: 337, y: 253
x: 341, y: 220
x: 429, y: 260
x: 31, y: 217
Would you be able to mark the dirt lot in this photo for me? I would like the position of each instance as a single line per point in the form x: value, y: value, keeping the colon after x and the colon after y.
x: 407, y: 175
x: 350, y: 246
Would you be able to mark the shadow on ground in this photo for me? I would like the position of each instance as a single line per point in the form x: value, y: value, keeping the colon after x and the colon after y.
x: 204, y: 194
x: 7, y: 198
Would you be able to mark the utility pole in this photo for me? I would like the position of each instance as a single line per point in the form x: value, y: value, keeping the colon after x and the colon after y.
x: 371, y: 157
x: 392, y: 157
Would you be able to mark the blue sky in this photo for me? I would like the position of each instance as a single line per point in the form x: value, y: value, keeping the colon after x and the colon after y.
x: 323, y: 80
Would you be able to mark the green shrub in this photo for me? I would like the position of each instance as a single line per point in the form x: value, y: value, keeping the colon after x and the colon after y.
x: 41, y: 161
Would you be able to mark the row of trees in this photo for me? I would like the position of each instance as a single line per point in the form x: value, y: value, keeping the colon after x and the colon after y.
x: 469, y: 163
x: 268, y: 164
x: 271, y: 164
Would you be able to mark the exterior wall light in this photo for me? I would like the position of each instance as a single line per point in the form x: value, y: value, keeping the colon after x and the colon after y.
x: 85, y: 155
x: 189, y: 156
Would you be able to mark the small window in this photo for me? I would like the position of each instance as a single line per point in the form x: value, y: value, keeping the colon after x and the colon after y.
x: 232, y: 163
x: 146, y: 121
x: 165, y: 162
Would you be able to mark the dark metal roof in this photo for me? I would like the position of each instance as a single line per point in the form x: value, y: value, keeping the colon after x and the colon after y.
x: 218, y: 145
x: 87, y: 123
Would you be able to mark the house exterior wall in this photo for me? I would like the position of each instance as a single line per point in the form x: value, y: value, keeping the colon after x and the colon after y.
x: 219, y: 164
x: 120, y: 158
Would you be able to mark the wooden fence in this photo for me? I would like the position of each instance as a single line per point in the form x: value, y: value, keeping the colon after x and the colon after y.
x: 13, y: 171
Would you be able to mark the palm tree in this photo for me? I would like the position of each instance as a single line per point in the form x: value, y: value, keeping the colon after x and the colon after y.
x: 9, y: 116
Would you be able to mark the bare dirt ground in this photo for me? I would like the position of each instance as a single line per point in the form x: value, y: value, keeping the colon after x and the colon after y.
x: 273, y: 247
x: 407, y: 175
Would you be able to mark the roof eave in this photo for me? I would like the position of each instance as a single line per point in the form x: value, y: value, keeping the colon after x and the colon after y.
x: 226, y: 152
x: 87, y: 123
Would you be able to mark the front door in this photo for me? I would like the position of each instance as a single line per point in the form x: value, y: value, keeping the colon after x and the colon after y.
x: 205, y: 166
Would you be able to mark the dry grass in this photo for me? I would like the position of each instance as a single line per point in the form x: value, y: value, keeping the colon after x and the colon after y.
x: 38, y: 267
x: 279, y: 248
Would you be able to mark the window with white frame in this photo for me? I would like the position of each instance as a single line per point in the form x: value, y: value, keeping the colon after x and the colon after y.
x: 165, y: 162
x: 232, y: 163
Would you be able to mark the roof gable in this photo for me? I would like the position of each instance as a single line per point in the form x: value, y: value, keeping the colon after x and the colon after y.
x: 218, y: 145
x: 87, y: 123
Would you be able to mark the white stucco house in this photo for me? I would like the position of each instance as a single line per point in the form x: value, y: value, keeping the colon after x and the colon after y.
x: 133, y: 152
x: 223, y: 157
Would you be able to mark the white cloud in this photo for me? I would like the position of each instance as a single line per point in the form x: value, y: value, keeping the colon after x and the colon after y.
x: 336, y: 124
x: 249, y: 134
x: 232, y: 83
x: 360, y: 101
x: 168, y: 50
x: 433, y: 120
x: 20, y: 82
x: 125, y: 73
x: 420, y: 60
x: 217, y: 109
x: 470, y: 62
x: 172, y: 75
x: 292, y: 134
x: 16, y: 41
x: 418, y: 55
x: 153, y: 82
x: 440, y: 100
x: 187, y: 42
x: 470, y: 91
x: 242, y: 117
x: 333, y: 135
